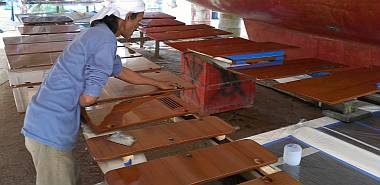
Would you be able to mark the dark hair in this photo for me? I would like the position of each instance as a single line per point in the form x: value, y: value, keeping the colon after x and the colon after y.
x: 112, y: 21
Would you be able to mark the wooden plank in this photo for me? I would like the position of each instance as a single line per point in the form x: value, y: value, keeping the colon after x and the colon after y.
x: 116, y: 89
x: 183, y: 46
x: 32, y: 60
x: 140, y: 64
x: 338, y: 87
x: 238, y: 49
x: 157, y: 15
x: 125, y: 52
x: 160, y: 22
x: 47, y: 47
x: 279, y: 178
x: 39, y: 38
x: 196, y: 167
x: 116, y: 115
x: 48, y: 29
x: 290, y: 68
x: 175, y: 28
x: 175, y: 35
x: 160, y: 136
x: 45, y: 19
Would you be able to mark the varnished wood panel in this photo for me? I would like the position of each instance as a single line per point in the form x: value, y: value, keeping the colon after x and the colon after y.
x: 157, y: 15
x: 279, y: 178
x: 188, y: 34
x: 175, y: 28
x: 32, y: 60
x: 125, y: 52
x: 196, y: 167
x: 116, y: 115
x: 48, y: 29
x: 140, y: 64
x: 116, y: 89
x: 46, y: 47
x: 47, y: 19
x: 39, y: 38
x: 237, y: 49
x: 183, y: 46
x: 338, y: 87
x: 160, y: 22
x: 290, y: 68
x: 159, y: 136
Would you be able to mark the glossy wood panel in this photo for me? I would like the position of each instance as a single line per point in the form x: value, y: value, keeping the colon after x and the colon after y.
x: 125, y: 52
x: 160, y: 136
x: 116, y: 115
x: 290, y: 68
x: 237, y: 49
x: 338, y: 87
x: 140, y: 64
x: 116, y: 89
x: 39, y: 38
x: 175, y: 28
x: 46, y: 47
x: 32, y: 60
x: 195, y: 167
x: 45, y: 19
x: 157, y: 15
x: 183, y: 46
x: 48, y: 29
x: 175, y: 35
x: 160, y: 22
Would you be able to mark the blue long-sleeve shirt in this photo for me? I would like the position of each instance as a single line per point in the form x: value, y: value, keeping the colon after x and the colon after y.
x: 53, y: 115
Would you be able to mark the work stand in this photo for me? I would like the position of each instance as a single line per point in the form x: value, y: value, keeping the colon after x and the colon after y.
x: 347, y: 112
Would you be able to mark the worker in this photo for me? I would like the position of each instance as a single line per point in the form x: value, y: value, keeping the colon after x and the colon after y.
x: 52, y: 119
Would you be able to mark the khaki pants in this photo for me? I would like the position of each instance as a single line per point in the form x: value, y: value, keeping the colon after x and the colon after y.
x: 53, y: 167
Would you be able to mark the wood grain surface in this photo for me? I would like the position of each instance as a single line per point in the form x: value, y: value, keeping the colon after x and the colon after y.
x: 188, y: 34
x: 159, y: 136
x: 196, y: 167
x: 290, y: 68
x: 338, y: 87
x: 116, y: 115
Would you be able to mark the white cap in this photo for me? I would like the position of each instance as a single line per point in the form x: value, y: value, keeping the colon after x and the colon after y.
x: 119, y: 8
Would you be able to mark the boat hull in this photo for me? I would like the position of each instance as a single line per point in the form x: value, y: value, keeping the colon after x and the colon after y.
x: 341, y: 31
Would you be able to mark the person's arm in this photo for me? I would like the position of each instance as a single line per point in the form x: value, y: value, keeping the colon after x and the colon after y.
x: 132, y: 77
x: 96, y: 73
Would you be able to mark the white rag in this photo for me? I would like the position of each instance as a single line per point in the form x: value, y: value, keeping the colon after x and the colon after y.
x: 119, y: 8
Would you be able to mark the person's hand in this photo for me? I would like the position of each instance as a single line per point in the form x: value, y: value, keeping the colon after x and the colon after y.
x: 166, y: 85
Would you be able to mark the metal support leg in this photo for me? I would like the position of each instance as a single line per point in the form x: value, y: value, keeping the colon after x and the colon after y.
x: 141, y: 39
x: 157, y: 49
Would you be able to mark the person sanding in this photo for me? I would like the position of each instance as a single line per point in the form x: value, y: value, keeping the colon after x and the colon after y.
x: 52, y: 118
